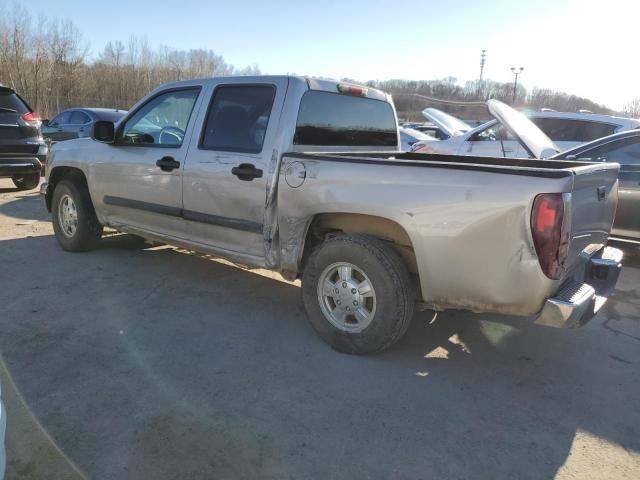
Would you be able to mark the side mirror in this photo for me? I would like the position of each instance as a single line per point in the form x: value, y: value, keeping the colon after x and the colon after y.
x: 45, y: 122
x: 104, y: 131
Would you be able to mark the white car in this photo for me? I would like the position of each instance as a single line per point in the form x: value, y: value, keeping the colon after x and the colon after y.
x: 409, y: 136
x: 491, y: 139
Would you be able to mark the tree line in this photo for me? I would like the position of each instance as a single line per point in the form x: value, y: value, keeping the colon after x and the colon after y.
x: 49, y: 63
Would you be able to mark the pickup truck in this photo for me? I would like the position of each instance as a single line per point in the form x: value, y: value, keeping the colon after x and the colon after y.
x: 303, y: 176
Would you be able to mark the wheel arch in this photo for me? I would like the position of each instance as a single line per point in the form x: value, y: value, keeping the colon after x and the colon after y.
x: 60, y: 173
x: 325, y: 225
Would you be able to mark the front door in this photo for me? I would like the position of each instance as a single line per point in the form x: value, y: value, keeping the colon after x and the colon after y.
x: 225, y: 178
x: 140, y: 176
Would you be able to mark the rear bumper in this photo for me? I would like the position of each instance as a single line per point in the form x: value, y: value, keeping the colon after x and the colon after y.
x: 577, y: 302
x: 20, y: 165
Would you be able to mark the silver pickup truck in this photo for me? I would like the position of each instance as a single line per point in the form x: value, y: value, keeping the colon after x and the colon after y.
x: 302, y: 176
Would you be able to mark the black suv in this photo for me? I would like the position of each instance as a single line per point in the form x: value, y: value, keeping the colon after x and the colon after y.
x: 23, y: 151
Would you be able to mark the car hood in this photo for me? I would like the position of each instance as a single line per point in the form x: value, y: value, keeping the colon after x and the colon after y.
x: 528, y: 134
x: 449, y: 124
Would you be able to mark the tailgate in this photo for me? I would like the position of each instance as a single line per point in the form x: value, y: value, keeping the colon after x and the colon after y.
x: 594, y: 198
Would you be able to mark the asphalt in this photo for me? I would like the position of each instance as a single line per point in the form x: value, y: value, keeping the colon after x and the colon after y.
x: 134, y: 362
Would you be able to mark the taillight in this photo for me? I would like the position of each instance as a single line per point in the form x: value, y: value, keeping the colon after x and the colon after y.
x: 352, y: 89
x: 550, y: 227
x: 32, y: 118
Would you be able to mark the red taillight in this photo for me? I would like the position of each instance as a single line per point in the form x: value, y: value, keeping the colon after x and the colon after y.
x: 352, y: 89
x: 31, y: 117
x: 550, y: 224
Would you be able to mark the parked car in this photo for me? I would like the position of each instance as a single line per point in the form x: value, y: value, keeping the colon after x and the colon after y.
x: 622, y: 148
x: 23, y: 151
x: 78, y: 122
x: 3, y: 431
x: 491, y: 139
x: 370, y: 234
x: 409, y: 136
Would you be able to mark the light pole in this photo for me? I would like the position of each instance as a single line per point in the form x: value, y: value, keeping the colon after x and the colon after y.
x: 516, y: 72
x: 483, y: 59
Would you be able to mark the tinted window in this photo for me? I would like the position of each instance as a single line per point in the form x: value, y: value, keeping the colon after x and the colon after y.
x: 237, y: 119
x: 332, y: 119
x: 62, y: 118
x: 163, y: 120
x: 564, y: 130
x: 10, y: 101
x: 79, y: 118
x: 625, y: 152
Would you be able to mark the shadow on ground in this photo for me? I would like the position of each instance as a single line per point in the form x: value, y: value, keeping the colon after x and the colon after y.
x: 148, y: 363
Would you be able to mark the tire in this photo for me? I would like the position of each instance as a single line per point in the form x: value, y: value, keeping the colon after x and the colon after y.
x: 27, y: 181
x: 87, y: 232
x: 393, y: 304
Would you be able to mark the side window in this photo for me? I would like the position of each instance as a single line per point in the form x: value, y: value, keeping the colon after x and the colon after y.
x: 492, y: 134
x: 625, y: 152
x: 588, y: 131
x: 79, y: 118
x: 162, y: 121
x: 61, y: 119
x: 566, y: 130
x: 237, y: 118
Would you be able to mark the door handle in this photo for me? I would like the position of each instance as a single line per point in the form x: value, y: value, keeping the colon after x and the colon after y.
x: 246, y: 172
x: 167, y: 164
x: 508, y: 150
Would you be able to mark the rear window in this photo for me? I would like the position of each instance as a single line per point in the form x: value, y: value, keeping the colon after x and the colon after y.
x: 333, y: 119
x: 565, y: 130
x: 11, y: 101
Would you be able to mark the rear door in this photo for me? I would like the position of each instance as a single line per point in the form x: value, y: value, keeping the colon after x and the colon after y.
x: 54, y: 131
x: 78, y: 124
x: 225, y: 178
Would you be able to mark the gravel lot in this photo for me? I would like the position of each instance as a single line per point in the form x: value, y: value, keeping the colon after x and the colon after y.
x: 136, y: 362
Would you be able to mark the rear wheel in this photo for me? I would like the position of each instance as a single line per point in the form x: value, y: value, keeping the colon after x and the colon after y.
x: 26, y: 181
x: 358, y: 294
x: 74, y: 220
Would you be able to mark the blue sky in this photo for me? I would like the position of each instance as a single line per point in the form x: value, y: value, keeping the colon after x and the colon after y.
x: 584, y: 47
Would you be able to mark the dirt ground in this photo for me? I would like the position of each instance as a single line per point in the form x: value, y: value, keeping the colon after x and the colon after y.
x: 136, y: 362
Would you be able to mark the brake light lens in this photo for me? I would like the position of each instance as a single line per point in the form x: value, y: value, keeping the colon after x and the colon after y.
x: 32, y: 118
x: 356, y: 90
x: 550, y: 228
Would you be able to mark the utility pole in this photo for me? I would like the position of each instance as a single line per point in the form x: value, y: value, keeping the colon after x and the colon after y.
x: 483, y: 59
x: 516, y: 72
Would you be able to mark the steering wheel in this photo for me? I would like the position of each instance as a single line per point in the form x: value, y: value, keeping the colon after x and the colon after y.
x: 174, y: 132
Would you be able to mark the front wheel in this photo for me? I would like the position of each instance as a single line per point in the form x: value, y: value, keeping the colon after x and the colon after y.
x: 74, y: 220
x: 358, y: 294
x: 27, y: 181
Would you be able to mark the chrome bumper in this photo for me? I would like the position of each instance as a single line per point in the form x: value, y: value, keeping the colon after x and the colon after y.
x: 577, y: 302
